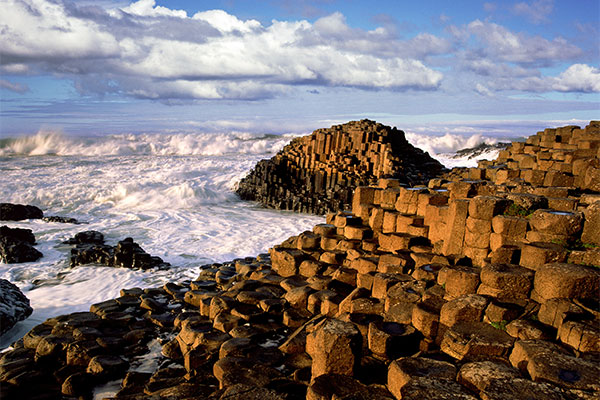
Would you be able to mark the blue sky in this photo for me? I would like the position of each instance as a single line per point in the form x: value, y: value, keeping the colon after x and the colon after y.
x: 102, y: 67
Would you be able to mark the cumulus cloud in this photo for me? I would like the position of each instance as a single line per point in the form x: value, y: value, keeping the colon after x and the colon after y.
x: 149, y: 51
x: 38, y: 30
x: 578, y: 78
x: 13, y: 87
x: 148, y: 8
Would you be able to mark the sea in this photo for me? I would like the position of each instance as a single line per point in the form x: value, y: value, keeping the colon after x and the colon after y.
x: 174, y: 194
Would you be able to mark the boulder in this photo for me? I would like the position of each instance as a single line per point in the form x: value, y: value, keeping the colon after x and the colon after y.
x: 563, y: 223
x: 333, y: 386
x: 476, y: 341
x: 591, y: 225
x: 478, y: 375
x: 87, y: 237
x: 505, y: 280
x: 404, y: 371
x: 522, y: 389
x: 59, y: 219
x: 18, y: 212
x: 16, y: 245
x: 434, y: 389
x: 90, y: 249
x: 243, y: 391
x: 14, y: 306
x: 239, y: 370
x: 335, y: 347
x: 559, y: 280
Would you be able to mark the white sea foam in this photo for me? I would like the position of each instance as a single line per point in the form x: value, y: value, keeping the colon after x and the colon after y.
x: 443, y: 147
x: 55, y: 143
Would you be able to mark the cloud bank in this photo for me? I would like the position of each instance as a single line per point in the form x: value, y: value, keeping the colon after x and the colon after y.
x: 149, y: 51
x: 154, y: 52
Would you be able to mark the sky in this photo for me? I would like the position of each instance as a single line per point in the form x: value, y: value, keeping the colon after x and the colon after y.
x: 433, y: 67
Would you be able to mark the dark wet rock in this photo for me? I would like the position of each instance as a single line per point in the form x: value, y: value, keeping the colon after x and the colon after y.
x: 130, y: 255
x: 78, y: 384
x: 59, y: 219
x: 107, y: 366
x: 18, y: 212
x: 17, y: 234
x: 14, y: 306
x: 15, y: 362
x: 87, y: 237
x: 16, y: 245
x: 90, y: 249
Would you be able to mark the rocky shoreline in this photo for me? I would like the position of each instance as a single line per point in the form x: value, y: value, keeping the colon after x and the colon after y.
x: 484, y: 284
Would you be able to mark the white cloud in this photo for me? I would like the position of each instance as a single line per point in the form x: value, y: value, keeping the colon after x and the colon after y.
x: 151, y: 51
x: 226, y: 22
x: 41, y: 30
x: 501, y: 44
x: 537, y: 11
x: 148, y: 8
x: 14, y: 68
x: 578, y: 78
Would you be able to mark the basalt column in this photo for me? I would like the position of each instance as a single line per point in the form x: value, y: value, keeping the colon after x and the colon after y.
x: 318, y: 173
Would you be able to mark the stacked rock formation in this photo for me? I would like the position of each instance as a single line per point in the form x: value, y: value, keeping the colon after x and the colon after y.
x: 451, y: 291
x: 317, y: 173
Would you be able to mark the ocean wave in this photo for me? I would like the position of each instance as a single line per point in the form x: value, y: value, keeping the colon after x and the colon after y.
x: 448, y: 143
x: 154, y: 196
x: 444, y: 148
x: 184, y: 144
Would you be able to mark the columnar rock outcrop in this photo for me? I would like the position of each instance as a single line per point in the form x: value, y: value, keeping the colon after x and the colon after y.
x: 317, y: 173
x: 464, y: 289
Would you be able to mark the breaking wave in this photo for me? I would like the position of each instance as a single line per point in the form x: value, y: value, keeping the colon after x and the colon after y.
x: 185, y: 144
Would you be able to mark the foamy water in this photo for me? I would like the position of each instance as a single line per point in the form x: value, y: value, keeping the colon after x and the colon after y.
x: 173, y: 194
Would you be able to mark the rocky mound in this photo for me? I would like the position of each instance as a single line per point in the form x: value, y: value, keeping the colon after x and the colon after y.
x: 14, y: 306
x: 317, y: 173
